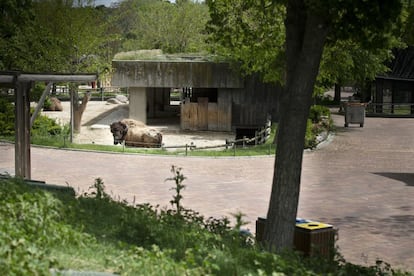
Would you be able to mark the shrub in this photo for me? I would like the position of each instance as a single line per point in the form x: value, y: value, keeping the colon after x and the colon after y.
x: 30, y: 224
x: 45, y: 126
x: 6, y: 117
x: 318, y: 122
x: 310, y: 137
x: 42, y: 126
x: 37, y: 91
x: 317, y: 112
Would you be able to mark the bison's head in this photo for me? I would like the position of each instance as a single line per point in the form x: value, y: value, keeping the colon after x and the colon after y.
x: 119, y: 131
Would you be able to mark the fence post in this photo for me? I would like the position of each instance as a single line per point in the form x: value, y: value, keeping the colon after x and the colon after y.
x: 263, y: 136
x: 186, y: 149
x: 255, y: 138
x: 244, y: 141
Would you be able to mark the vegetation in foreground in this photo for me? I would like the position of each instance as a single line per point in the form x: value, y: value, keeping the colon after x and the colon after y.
x: 44, y: 231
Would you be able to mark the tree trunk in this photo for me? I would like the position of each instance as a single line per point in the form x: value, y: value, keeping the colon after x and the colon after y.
x: 337, y: 95
x: 305, y: 39
x: 78, y: 109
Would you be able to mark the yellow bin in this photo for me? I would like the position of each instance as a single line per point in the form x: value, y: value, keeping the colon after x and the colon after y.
x: 313, y: 225
x: 315, y: 239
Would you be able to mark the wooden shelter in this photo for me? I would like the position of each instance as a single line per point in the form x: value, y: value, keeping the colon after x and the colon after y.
x: 396, y: 87
x: 22, y: 84
x: 214, y: 97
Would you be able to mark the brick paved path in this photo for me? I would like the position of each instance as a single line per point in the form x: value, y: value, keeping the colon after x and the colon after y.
x: 362, y: 182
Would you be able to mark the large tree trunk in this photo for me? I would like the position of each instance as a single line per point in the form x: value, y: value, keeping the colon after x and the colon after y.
x: 305, y: 39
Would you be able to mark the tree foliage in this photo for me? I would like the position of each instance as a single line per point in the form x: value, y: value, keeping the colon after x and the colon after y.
x: 14, y: 16
x: 59, y: 36
x: 251, y: 33
x: 172, y: 27
x: 407, y: 19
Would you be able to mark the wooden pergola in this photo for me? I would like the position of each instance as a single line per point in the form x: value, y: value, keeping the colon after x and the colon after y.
x: 22, y: 84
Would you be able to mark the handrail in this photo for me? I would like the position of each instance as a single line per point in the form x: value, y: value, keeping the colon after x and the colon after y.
x: 400, y: 109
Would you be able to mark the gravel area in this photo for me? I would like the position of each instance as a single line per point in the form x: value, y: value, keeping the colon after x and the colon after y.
x: 99, y: 115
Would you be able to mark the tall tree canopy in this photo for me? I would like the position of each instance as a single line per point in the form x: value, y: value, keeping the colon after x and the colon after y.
x: 310, y: 25
x: 172, y: 27
x: 57, y: 36
x: 14, y: 16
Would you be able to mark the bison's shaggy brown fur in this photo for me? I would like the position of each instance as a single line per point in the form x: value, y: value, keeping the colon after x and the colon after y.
x: 135, y: 134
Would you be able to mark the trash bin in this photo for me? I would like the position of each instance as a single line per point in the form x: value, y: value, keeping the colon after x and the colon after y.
x: 354, y: 113
x: 311, y: 238
x: 315, y: 239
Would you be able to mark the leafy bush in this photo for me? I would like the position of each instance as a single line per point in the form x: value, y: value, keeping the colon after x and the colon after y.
x: 42, y: 126
x: 310, y: 137
x: 6, y: 117
x: 37, y: 91
x: 30, y: 224
x: 47, y: 104
x: 319, y: 121
x: 317, y: 112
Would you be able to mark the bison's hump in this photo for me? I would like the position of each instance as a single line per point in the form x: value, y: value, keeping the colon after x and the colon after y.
x: 131, y: 123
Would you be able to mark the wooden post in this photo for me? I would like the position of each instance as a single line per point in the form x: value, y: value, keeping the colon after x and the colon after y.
x: 256, y: 138
x: 40, y: 103
x: 22, y: 84
x: 22, y: 126
x: 71, y: 93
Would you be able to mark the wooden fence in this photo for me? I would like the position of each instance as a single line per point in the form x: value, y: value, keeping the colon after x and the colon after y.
x: 204, y: 115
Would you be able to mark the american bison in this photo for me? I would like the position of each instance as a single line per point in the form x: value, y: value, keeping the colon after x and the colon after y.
x: 135, y: 134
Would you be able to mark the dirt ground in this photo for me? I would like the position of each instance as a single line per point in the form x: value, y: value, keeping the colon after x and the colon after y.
x: 99, y: 115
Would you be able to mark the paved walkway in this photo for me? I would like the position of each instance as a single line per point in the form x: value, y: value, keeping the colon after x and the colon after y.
x: 362, y: 182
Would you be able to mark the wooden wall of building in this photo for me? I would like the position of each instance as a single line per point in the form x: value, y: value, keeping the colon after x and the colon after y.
x: 249, y: 107
x: 205, y: 115
x: 252, y: 105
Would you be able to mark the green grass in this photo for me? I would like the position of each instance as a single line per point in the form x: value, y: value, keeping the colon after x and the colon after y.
x: 43, y: 231
x: 62, y: 141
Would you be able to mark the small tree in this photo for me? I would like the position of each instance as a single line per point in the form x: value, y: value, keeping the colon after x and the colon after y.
x: 178, y: 179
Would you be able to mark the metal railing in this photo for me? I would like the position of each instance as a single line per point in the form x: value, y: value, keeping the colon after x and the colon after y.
x: 260, y: 138
x: 390, y: 109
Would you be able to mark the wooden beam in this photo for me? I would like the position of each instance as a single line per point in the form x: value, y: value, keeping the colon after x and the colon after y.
x: 6, y: 78
x: 58, y: 77
x: 40, y: 103
x: 26, y: 77
x: 22, y: 128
